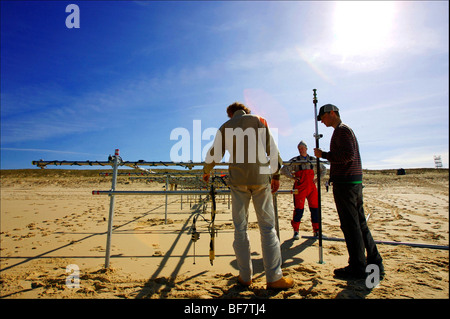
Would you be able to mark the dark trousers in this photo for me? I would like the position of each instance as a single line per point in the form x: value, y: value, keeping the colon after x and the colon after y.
x: 349, y: 204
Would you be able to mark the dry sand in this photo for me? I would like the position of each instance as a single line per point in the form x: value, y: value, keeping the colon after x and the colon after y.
x: 50, y: 220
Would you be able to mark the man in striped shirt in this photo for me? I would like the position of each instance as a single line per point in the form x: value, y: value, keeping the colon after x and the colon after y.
x: 346, y: 177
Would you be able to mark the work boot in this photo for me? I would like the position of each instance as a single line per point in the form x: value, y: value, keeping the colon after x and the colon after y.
x: 244, y: 283
x: 282, y: 283
x: 350, y: 273
x: 316, y: 234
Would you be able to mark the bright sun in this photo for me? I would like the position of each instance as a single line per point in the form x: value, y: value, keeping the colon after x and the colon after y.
x: 362, y: 28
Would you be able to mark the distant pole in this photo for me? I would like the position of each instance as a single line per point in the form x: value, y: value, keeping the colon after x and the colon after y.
x: 317, y: 137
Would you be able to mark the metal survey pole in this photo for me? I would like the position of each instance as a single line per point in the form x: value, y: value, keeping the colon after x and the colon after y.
x: 317, y: 137
x: 111, y: 208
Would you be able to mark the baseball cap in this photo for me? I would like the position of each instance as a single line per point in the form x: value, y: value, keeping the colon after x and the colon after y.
x: 325, y: 109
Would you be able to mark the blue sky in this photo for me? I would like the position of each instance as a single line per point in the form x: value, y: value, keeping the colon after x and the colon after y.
x: 134, y: 71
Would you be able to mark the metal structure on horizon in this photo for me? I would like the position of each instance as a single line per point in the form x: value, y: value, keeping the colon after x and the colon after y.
x: 437, y: 161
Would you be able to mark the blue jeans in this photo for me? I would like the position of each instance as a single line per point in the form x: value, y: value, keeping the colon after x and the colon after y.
x: 263, y: 204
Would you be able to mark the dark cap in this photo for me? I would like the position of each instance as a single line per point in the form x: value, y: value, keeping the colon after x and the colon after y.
x: 325, y: 109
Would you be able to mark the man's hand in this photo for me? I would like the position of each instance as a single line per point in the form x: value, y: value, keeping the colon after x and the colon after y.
x: 318, y: 152
x: 206, y: 177
x: 275, y: 185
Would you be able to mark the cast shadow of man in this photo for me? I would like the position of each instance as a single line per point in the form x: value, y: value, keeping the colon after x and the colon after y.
x: 352, y: 288
x: 358, y: 288
x: 289, y: 254
x: 290, y: 257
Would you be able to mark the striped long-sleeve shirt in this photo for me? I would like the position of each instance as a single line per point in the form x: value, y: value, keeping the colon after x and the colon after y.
x: 344, y: 156
x: 308, y: 162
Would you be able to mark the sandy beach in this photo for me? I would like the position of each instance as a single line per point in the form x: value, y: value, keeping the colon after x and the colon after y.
x: 51, y: 224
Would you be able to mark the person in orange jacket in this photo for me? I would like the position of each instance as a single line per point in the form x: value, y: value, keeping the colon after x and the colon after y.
x: 305, y: 184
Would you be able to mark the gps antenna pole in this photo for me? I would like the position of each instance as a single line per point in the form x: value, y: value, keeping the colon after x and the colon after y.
x: 317, y: 137
x: 212, y: 229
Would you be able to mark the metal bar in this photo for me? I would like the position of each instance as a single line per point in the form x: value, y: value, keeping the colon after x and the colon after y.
x: 384, y: 242
x: 111, y: 209
x: 195, y: 192
x: 130, y: 172
x: 288, y: 163
x: 190, y: 165
x: 42, y: 163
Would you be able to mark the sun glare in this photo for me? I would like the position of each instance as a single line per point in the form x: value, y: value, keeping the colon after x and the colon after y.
x: 362, y: 28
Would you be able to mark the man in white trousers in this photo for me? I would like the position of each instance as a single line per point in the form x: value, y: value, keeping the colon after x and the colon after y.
x: 249, y: 142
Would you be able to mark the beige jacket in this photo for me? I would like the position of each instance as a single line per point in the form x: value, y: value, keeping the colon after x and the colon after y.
x: 254, y: 155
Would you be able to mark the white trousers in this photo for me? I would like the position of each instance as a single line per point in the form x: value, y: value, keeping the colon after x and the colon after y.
x: 263, y: 204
